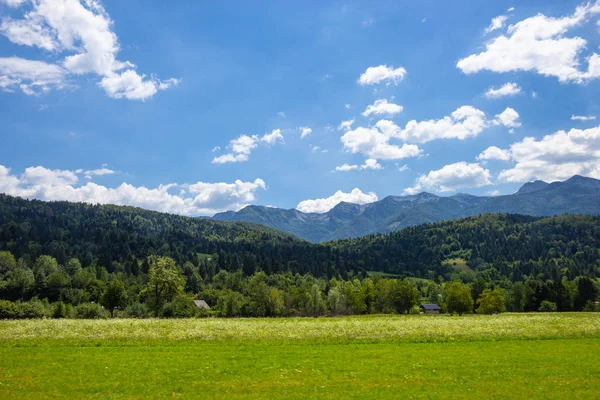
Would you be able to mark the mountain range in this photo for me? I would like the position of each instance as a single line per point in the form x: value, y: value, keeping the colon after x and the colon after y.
x: 577, y: 195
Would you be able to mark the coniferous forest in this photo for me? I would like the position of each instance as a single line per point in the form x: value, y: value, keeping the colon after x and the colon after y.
x: 64, y: 259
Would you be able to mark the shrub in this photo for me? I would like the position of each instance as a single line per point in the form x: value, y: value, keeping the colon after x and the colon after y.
x: 137, y: 310
x: 491, y: 302
x: 548, y: 306
x: 591, y: 305
x: 31, y: 309
x: 90, y: 311
x: 181, y: 307
x: 8, y: 310
x: 61, y: 310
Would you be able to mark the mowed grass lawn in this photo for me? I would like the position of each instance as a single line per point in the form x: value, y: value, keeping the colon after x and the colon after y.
x: 507, y: 356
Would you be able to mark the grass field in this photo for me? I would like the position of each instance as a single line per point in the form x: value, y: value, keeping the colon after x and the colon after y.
x: 506, y: 356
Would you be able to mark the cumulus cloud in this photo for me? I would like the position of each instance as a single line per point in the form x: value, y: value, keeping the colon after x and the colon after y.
x: 494, y: 153
x: 464, y: 122
x: 13, y: 3
x: 557, y: 156
x: 451, y: 177
x: 346, y: 125
x: 497, y: 23
x: 508, y: 89
x: 31, y: 77
x: 375, y: 143
x: 382, y: 73
x: 371, y: 163
x: 80, y: 32
x: 305, y: 131
x: 202, y: 198
x: 230, y: 158
x: 381, y: 107
x: 242, y: 146
x: 356, y: 196
x: 582, y: 117
x: 508, y: 118
x: 540, y: 44
x: 99, y: 172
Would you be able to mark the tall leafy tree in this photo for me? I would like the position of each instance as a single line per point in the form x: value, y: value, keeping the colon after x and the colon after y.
x: 114, y: 296
x: 456, y: 298
x: 165, y: 282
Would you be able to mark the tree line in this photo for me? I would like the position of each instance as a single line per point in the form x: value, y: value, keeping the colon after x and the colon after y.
x: 49, y: 289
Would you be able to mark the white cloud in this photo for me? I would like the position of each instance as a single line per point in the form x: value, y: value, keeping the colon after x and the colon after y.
x: 30, y: 76
x: 81, y: 31
x: 402, y: 168
x: 98, y: 172
x: 494, y: 153
x: 463, y: 123
x: 557, y: 156
x: 508, y: 89
x: 346, y: 125
x: 371, y: 163
x: 13, y: 3
x: 305, y: 132
x: 28, y: 32
x: 356, y: 196
x: 493, y: 192
x: 281, y: 114
x: 346, y: 167
x: 230, y: 158
x: 128, y: 85
x: 315, y: 149
x: 375, y: 142
x: 44, y: 176
x: 539, y: 44
x: 381, y: 107
x: 347, y: 106
x: 382, y: 73
x: 273, y: 137
x: 497, y: 23
x: 508, y: 118
x: 583, y: 117
x: 216, y: 148
x: 452, y: 177
x: 58, y: 185
x: 243, y: 146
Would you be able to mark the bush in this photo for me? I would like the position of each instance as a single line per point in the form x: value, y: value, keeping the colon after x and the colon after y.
x: 591, y: 306
x: 61, y: 310
x: 137, y: 310
x: 31, y: 309
x: 8, y: 310
x: 548, y: 306
x: 181, y: 307
x: 90, y: 311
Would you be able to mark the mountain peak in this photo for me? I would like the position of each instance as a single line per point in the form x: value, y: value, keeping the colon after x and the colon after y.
x: 533, y: 186
x: 583, y: 181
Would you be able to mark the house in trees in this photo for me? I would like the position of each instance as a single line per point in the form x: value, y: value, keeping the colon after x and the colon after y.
x: 201, y: 304
x: 430, y: 308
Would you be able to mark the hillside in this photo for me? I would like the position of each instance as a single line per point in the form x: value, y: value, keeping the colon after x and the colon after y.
x: 577, y: 195
x: 121, y: 238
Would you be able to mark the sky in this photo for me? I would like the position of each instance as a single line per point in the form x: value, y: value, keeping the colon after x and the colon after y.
x: 198, y: 107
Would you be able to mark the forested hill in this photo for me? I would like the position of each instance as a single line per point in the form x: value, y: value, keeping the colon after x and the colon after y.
x: 501, y: 245
x: 120, y: 239
x: 116, y: 237
x: 577, y: 195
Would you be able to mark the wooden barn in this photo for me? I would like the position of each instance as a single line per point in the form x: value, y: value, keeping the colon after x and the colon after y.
x: 430, y: 308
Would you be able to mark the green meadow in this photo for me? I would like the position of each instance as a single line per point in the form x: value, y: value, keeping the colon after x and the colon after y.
x: 554, y: 356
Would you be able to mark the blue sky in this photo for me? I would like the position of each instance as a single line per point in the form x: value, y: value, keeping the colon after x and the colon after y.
x: 147, y: 103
